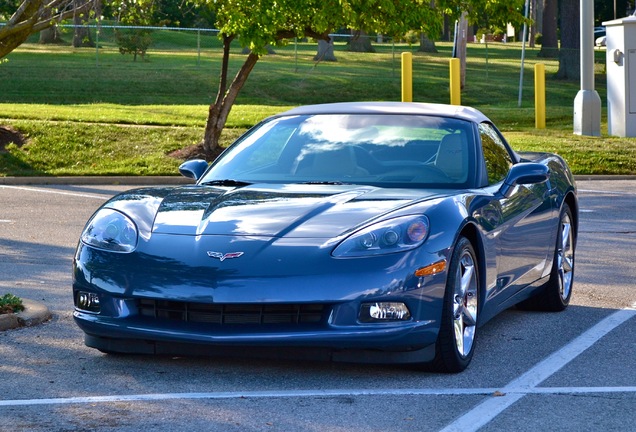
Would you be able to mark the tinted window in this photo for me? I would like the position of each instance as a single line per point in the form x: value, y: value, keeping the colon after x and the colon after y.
x: 498, y: 160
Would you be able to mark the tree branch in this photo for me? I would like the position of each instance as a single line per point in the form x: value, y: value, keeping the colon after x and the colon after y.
x: 227, y: 41
x: 24, y: 6
x: 290, y: 34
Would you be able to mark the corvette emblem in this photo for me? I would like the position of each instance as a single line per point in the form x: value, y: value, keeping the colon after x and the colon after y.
x: 221, y: 256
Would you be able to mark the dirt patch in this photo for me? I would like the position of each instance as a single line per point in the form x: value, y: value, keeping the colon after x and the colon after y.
x: 194, y: 152
x: 10, y: 135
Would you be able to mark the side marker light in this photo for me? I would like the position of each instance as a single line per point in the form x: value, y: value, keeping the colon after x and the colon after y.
x: 431, y: 269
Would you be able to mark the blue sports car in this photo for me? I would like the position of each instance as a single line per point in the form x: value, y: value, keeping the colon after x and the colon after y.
x: 364, y: 232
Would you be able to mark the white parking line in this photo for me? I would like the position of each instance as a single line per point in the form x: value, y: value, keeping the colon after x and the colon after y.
x: 305, y: 393
x: 500, y: 398
x: 594, y: 191
x: 483, y: 413
x: 51, y: 191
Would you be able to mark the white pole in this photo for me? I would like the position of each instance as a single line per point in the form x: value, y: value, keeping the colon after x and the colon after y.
x: 587, y: 104
x: 523, y: 52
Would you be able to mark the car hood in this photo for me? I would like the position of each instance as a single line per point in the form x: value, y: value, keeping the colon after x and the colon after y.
x: 317, y: 211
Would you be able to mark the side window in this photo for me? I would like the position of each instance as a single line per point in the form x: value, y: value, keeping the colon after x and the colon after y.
x: 498, y: 160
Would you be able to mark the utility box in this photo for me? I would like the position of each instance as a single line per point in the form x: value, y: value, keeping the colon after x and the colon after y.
x: 621, y: 76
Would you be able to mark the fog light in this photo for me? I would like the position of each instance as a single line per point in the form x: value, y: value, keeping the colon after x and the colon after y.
x: 384, y: 311
x: 88, y: 302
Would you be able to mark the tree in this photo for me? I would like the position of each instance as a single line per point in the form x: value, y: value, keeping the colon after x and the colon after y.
x: 427, y: 44
x: 134, y: 13
x: 81, y: 34
x: 51, y: 35
x: 570, y: 52
x: 491, y: 15
x: 604, y: 10
x: 549, y: 39
x: 31, y: 16
x: 258, y: 23
x: 325, y: 51
x: 360, y: 42
x: 533, y: 27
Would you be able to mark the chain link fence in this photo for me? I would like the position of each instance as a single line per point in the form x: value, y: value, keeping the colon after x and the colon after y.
x: 181, y: 65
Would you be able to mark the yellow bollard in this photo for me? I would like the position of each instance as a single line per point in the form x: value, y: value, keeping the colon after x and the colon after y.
x: 539, y: 95
x: 407, y: 77
x: 455, y: 82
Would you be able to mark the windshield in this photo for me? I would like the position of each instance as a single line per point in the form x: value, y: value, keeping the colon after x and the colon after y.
x: 381, y: 150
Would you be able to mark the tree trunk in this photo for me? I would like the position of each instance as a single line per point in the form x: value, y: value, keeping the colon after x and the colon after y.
x: 51, y: 35
x: 460, y: 45
x: 549, y: 40
x: 533, y: 27
x: 325, y: 51
x: 81, y: 35
x: 225, y: 98
x: 270, y: 50
x: 426, y: 44
x: 570, y: 53
x: 360, y: 42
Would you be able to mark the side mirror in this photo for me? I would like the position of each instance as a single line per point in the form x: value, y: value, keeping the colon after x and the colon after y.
x: 193, y: 169
x: 525, y: 173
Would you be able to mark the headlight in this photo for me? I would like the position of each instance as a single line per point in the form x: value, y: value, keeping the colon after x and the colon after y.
x: 390, y: 236
x: 112, y: 231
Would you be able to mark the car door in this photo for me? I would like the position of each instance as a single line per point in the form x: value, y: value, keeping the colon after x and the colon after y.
x: 525, y: 229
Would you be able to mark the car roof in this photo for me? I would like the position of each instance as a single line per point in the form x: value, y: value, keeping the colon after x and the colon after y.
x: 413, y: 108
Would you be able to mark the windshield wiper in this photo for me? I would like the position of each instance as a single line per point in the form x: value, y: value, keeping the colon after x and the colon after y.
x: 226, y: 182
x: 324, y: 183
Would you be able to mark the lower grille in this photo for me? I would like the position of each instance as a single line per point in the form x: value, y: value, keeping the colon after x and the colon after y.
x: 232, y: 313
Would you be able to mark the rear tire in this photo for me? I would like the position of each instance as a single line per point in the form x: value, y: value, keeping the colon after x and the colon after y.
x: 555, y: 295
x: 458, y: 329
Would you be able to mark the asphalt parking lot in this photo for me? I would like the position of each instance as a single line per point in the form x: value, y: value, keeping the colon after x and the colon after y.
x: 532, y: 371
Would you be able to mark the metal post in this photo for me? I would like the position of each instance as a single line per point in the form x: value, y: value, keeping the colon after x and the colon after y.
x: 407, y: 77
x: 523, y: 53
x: 198, y: 48
x: 296, y: 55
x: 587, y: 104
x: 455, y: 82
x: 393, y: 58
x: 97, y: 29
x: 539, y: 95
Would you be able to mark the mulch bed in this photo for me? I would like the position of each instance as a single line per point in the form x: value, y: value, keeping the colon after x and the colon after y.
x: 10, y: 135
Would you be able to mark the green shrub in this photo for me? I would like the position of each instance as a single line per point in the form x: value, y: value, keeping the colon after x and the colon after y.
x: 10, y: 304
x: 135, y: 42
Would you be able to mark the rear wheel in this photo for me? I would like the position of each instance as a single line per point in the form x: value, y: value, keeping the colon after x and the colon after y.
x: 556, y: 293
x: 458, y: 329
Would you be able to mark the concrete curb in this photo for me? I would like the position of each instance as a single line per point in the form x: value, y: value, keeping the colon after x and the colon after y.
x: 34, y: 313
x: 98, y: 180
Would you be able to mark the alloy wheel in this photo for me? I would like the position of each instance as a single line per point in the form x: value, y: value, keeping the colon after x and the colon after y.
x: 465, y: 304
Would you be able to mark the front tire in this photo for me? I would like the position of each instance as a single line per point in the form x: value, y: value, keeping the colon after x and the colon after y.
x: 458, y: 329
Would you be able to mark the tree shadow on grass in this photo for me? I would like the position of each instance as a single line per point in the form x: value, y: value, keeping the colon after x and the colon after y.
x: 9, y: 164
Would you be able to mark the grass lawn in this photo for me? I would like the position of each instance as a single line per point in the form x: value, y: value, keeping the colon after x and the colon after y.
x: 96, y: 112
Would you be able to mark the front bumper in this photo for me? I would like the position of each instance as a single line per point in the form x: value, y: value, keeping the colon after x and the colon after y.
x: 304, y: 277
